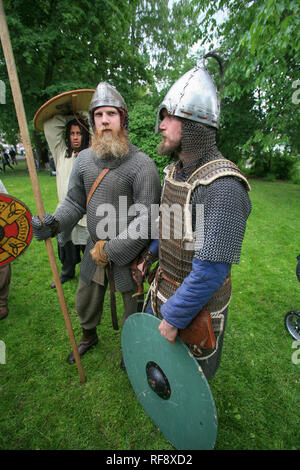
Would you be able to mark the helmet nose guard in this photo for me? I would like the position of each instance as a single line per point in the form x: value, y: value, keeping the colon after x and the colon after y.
x: 193, y: 96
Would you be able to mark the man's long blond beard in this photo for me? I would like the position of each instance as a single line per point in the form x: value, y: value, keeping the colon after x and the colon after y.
x: 111, y: 144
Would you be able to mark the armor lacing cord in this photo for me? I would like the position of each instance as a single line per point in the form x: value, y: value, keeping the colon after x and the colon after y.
x: 172, y: 281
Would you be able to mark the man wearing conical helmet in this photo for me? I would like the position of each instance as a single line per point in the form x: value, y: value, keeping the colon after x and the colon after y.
x: 115, y: 184
x: 199, y: 243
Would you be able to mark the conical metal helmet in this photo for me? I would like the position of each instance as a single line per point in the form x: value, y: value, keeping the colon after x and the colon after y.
x: 107, y: 95
x: 193, y: 96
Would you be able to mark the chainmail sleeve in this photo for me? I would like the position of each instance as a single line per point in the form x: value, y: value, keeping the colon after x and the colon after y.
x: 219, y: 232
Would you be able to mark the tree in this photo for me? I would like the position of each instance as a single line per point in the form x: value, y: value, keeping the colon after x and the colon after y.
x: 61, y: 46
x: 142, y: 125
x: 259, y: 41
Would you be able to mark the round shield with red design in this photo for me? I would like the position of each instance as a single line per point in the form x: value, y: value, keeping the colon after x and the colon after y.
x: 15, y: 228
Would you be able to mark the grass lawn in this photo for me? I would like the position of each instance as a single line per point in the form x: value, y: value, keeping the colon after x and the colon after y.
x: 256, y: 390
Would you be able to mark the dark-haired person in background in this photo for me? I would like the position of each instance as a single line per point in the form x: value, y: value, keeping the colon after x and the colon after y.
x: 66, y: 137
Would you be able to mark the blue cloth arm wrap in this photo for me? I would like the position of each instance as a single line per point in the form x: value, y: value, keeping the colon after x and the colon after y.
x: 197, y: 288
x: 154, y: 248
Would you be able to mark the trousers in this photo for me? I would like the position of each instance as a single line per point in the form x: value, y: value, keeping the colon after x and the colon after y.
x: 5, y: 278
x: 69, y: 256
x: 90, y: 299
x: 211, y: 365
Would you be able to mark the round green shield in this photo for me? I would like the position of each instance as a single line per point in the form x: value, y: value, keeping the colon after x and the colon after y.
x: 169, y: 384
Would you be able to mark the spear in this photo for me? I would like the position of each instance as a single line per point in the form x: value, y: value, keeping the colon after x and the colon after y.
x: 18, y: 101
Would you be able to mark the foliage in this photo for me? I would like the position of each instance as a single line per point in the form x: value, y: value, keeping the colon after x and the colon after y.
x: 143, y: 46
x: 259, y: 41
x: 44, y: 406
x: 142, y: 125
x: 295, y: 173
x: 64, y: 46
x: 282, y: 165
x: 236, y: 128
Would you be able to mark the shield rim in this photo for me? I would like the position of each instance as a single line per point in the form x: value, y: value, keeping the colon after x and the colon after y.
x: 42, y: 113
x: 143, y: 390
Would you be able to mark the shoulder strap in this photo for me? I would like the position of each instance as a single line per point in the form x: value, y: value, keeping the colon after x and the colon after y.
x: 96, y: 184
x: 168, y: 169
x: 209, y: 172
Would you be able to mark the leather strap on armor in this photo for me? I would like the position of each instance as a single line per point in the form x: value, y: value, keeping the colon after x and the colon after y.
x: 96, y: 184
x: 113, y: 306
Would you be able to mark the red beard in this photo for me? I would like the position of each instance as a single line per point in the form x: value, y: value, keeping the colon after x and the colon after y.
x: 110, y: 144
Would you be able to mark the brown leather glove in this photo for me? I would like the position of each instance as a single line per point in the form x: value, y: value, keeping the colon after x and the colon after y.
x: 98, y: 254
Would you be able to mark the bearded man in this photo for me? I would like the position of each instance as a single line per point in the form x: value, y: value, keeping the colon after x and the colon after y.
x: 191, y: 291
x: 108, y: 178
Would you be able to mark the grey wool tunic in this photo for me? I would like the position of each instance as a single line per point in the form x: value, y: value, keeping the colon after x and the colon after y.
x: 119, y: 210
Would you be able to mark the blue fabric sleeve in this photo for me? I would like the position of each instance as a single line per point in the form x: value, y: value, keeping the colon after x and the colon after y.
x: 197, y: 288
x: 154, y: 248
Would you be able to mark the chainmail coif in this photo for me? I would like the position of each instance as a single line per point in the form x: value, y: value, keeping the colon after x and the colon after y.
x: 198, y: 146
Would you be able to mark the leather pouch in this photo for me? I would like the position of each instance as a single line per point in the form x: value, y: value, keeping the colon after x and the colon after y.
x: 199, y: 332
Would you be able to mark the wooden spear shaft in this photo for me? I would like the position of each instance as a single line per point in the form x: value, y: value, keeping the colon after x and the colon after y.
x: 17, y: 95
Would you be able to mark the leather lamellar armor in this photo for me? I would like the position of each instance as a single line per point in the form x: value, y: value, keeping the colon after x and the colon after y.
x: 177, y: 238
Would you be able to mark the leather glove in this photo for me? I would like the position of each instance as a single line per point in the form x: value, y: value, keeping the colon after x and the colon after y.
x: 49, y: 227
x: 98, y: 254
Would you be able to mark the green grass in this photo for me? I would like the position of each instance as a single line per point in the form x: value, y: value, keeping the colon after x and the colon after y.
x: 256, y: 390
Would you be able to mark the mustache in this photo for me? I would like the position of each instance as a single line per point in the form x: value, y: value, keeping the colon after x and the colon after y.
x: 116, y: 145
x: 102, y: 130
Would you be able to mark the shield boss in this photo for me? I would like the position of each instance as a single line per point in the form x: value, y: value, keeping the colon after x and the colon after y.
x: 15, y: 228
x: 169, y: 384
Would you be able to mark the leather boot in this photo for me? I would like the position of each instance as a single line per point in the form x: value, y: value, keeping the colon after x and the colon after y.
x: 88, y: 340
